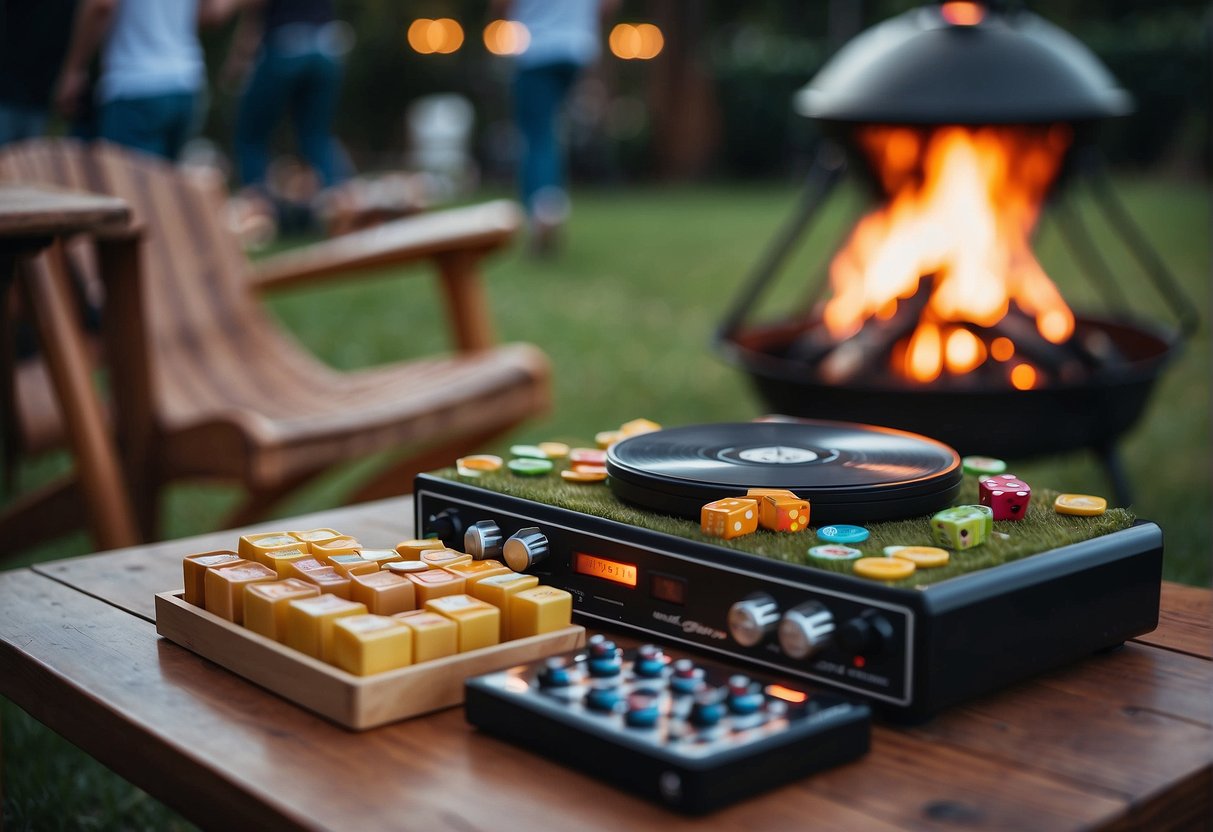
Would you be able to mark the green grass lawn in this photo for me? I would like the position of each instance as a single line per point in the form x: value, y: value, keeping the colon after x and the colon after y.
x: 626, y: 315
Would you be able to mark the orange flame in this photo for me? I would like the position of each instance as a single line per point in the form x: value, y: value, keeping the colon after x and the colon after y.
x: 962, y: 203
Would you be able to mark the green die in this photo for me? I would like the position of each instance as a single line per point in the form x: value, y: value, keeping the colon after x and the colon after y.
x: 962, y: 527
x: 989, y: 515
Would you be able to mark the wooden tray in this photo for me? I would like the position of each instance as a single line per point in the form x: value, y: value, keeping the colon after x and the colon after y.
x: 354, y: 702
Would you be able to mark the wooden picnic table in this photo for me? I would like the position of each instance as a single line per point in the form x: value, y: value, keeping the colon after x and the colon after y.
x: 33, y: 219
x: 1122, y: 740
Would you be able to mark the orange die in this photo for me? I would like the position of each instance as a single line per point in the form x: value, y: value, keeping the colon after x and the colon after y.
x: 783, y: 514
x: 759, y: 493
x: 730, y: 517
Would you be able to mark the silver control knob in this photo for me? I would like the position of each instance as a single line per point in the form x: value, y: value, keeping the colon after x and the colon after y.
x: 805, y: 629
x: 750, y: 620
x: 525, y: 549
x: 483, y: 540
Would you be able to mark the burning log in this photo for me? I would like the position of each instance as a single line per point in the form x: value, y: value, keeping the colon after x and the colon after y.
x: 869, y: 349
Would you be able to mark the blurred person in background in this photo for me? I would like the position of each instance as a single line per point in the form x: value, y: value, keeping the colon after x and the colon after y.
x: 565, y: 38
x: 33, y: 41
x: 152, y: 85
x: 294, y: 49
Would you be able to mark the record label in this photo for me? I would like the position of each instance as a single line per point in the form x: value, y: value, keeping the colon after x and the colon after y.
x: 848, y: 472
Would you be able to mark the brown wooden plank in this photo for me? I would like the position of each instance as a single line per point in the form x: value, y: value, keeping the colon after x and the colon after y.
x: 130, y: 578
x: 1142, y: 678
x: 1103, y: 745
x: 1185, y: 622
x: 477, y: 228
x: 27, y: 211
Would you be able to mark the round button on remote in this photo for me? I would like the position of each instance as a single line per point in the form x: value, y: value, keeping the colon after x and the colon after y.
x: 606, y: 700
x: 650, y: 662
x: 687, y: 677
x: 555, y: 674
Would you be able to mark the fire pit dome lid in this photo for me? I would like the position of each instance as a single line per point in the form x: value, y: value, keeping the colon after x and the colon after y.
x: 919, y: 68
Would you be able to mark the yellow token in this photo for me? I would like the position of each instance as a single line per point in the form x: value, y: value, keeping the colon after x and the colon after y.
x: 607, y: 438
x: 480, y: 462
x: 638, y: 426
x: 584, y: 475
x: 554, y: 450
x: 883, y: 569
x: 1082, y: 505
x: 925, y: 557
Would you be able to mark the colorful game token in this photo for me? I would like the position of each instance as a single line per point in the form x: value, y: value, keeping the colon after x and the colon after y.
x: 554, y: 450
x: 842, y: 534
x: 527, y: 467
x: 924, y: 557
x: 637, y: 427
x: 587, y: 456
x: 883, y: 569
x: 1081, y: 505
x: 528, y: 451
x: 607, y: 438
x: 983, y: 465
x: 584, y: 474
x: 476, y: 464
x: 834, y: 552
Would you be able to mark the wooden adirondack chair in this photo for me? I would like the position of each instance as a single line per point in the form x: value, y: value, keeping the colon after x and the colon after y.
x: 205, y: 385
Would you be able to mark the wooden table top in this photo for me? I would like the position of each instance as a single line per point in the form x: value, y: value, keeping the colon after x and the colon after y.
x: 40, y: 211
x: 1121, y: 740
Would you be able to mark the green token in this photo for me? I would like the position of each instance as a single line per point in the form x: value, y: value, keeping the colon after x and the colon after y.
x: 527, y: 467
x: 528, y: 452
x: 978, y: 465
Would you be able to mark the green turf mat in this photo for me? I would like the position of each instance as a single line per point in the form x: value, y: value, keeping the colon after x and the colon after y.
x: 1041, y: 529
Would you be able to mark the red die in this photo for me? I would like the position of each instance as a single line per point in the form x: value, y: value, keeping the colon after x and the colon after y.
x: 1006, y: 494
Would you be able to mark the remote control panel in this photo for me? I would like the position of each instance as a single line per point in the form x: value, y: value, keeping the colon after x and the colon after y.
x: 691, y: 734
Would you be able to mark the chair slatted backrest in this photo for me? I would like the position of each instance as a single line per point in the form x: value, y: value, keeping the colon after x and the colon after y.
x: 213, y: 346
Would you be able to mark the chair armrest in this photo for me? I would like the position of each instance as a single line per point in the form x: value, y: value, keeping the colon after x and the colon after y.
x: 435, y: 236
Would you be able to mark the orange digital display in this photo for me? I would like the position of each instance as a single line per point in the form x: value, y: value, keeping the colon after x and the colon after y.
x: 609, y: 570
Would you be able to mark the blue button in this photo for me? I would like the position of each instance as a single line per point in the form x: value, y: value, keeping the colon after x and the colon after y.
x: 842, y: 534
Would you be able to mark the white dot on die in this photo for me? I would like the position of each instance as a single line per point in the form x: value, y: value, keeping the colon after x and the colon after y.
x: 737, y: 526
x: 998, y: 493
x: 749, y: 515
x: 1021, y: 493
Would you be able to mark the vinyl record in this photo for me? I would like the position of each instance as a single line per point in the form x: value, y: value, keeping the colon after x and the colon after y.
x: 850, y: 473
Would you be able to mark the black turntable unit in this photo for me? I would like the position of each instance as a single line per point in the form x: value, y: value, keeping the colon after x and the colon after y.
x: 910, y: 651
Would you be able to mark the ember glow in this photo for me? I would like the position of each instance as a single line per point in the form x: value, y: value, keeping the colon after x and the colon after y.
x: 960, y: 207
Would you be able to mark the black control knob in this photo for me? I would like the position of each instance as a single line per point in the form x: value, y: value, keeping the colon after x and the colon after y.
x: 750, y: 620
x: 483, y: 540
x: 447, y: 526
x: 865, y: 635
x: 805, y: 629
x: 525, y: 549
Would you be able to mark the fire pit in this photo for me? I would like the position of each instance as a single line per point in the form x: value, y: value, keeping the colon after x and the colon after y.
x: 963, y: 121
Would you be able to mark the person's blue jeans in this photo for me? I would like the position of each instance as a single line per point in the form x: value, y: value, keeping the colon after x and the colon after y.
x: 307, y: 84
x: 18, y: 122
x: 156, y: 124
x: 539, y: 93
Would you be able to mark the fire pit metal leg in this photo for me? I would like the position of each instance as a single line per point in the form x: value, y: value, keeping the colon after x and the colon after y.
x: 1122, y: 489
x: 828, y: 167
